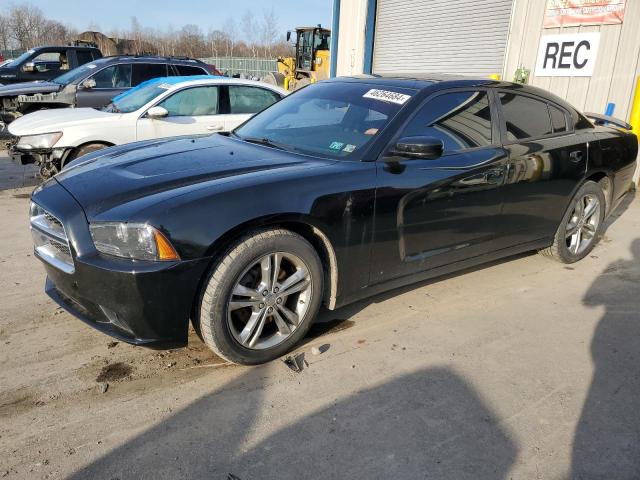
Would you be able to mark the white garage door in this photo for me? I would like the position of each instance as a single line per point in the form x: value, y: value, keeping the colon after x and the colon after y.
x: 467, y: 37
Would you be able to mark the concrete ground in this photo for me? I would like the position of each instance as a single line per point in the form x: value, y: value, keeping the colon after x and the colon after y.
x: 13, y: 175
x: 522, y: 369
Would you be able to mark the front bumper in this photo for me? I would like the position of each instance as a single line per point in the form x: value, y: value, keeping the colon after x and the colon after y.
x: 150, y: 308
x: 143, y: 303
x: 39, y: 156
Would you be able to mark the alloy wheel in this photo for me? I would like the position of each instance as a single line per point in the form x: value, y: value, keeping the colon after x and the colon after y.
x: 583, y: 224
x: 269, y: 300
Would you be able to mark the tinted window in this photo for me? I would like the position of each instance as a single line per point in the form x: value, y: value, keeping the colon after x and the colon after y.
x: 50, y: 61
x: 461, y: 120
x: 192, y: 102
x: 187, y: 70
x: 146, y: 71
x: 115, y: 76
x: 83, y: 57
x: 349, y: 114
x: 558, y: 119
x: 135, y: 98
x: 250, y: 99
x: 524, y: 116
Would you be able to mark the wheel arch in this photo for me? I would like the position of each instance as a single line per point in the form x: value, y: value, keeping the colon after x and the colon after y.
x: 605, y: 179
x: 74, y: 150
x: 300, y: 224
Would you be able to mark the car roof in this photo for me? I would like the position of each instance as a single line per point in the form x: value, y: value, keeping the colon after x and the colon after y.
x: 180, y: 81
x: 149, y: 59
x: 199, y: 80
x: 417, y: 81
x: 66, y: 47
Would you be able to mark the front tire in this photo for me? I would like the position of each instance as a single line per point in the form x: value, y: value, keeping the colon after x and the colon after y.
x: 261, y: 297
x: 581, y: 225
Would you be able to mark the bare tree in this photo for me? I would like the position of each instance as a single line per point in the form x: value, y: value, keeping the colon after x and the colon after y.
x: 231, y: 32
x: 25, y: 26
x: 269, y: 31
x: 5, y: 33
x: 250, y: 32
x: 26, y: 22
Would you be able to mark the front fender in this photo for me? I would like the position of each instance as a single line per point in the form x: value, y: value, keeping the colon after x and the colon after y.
x: 337, y: 199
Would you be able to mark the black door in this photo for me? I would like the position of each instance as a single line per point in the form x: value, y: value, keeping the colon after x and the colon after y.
x: 46, y: 65
x: 547, y: 159
x: 431, y: 213
x: 109, y: 82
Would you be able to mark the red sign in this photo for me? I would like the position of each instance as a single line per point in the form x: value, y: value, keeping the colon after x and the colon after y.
x: 571, y: 13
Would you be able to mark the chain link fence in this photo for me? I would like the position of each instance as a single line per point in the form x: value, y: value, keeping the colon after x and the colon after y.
x: 244, y: 66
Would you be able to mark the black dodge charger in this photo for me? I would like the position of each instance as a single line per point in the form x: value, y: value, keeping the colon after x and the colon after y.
x: 342, y: 190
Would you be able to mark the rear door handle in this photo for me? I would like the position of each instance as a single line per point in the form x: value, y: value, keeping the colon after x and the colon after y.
x: 576, y: 156
x: 214, y: 128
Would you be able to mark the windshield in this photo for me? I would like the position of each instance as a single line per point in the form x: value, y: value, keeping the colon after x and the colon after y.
x: 332, y: 119
x: 20, y: 59
x: 136, y: 98
x: 75, y: 74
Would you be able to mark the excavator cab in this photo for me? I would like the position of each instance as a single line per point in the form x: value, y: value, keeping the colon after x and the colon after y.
x: 309, y: 43
x: 310, y: 63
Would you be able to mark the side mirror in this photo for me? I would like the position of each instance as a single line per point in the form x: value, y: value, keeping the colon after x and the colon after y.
x: 29, y: 67
x: 157, y: 112
x: 425, y: 148
x: 289, y: 35
x: 88, y: 84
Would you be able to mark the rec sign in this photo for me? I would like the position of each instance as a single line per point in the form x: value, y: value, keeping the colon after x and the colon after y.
x: 567, y: 55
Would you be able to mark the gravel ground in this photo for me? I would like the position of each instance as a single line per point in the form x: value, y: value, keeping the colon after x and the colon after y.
x: 521, y: 369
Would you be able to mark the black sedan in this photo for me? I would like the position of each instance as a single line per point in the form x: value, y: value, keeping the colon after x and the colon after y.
x: 342, y: 190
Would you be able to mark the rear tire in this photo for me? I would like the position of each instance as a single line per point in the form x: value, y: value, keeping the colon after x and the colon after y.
x: 261, y: 297
x: 581, y: 225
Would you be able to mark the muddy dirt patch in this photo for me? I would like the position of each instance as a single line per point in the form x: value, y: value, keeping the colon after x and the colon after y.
x: 114, y: 372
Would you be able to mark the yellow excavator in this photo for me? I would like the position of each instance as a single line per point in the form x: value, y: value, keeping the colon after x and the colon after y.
x: 310, y: 63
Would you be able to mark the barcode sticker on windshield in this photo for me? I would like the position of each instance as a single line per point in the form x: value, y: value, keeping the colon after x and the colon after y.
x: 387, y: 96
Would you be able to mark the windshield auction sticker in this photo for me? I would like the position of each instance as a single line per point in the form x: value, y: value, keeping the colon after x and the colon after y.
x: 387, y: 96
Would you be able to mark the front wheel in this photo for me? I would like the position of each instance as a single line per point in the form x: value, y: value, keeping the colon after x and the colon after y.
x: 261, y: 298
x: 581, y: 225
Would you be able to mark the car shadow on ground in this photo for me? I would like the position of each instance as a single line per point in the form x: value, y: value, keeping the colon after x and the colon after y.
x: 607, y: 438
x: 16, y: 176
x: 427, y: 424
x: 430, y: 423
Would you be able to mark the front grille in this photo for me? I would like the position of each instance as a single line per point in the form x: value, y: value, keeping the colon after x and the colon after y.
x: 53, y: 220
x: 50, y: 239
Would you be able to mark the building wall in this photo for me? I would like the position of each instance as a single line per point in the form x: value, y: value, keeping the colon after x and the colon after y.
x: 353, y: 15
x: 616, y: 67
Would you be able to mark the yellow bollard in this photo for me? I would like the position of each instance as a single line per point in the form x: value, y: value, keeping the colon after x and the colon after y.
x: 494, y: 76
x: 634, y: 118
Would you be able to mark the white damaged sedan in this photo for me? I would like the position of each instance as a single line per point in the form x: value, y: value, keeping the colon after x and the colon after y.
x: 162, y: 107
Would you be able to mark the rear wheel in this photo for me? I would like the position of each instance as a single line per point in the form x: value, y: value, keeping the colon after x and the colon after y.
x: 261, y: 298
x: 581, y: 225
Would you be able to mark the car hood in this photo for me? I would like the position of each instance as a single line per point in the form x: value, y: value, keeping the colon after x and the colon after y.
x: 57, y: 119
x: 156, y: 170
x: 27, y: 88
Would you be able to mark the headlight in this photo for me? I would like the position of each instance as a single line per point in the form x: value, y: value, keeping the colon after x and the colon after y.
x: 46, y: 140
x: 138, y: 241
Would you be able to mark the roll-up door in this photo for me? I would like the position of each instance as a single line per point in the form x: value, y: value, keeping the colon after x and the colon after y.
x: 467, y: 37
